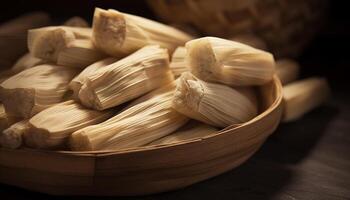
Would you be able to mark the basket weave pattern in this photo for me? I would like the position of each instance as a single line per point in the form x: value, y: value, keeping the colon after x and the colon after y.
x: 286, y: 25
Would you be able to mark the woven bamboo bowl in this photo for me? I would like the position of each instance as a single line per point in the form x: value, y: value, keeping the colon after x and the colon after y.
x: 144, y: 170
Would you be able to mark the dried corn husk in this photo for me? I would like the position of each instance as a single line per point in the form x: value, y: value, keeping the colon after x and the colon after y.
x: 119, y: 34
x: 287, y: 70
x: 76, y: 21
x: 13, y: 35
x: 12, y: 137
x: 251, y: 40
x: 178, y: 64
x: 126, y: 79
x: 218, y: 60
x: 51, y: 127
x: 214, y: 104
x: 79, y: 80
x: 195, y: 131
x: 302, y: 96
x: 170, y: 87
x: 46, y: 43
x: 79, y: 53
x: 35, y: 89
x: 136, y: 126
x: 25, y: 62
x: 28, y: 60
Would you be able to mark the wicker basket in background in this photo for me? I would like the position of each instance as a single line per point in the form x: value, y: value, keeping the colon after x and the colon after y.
x: 285, y: 25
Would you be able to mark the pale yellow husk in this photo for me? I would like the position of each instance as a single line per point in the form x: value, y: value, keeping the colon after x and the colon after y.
x: 223, y: 61
x: 214, y: 104
x: 28, y: 60
x: 170, y: 87
x: 12, y: 137
x: 302, y: 96
x: 79, y: 80
x: 25, y: 62
x: 118, y: 33
x: 79, y: 53
x: 178, y: 64
x: 46, y: 43
x: 196, y: 131
x: 35, y: 89
x: 137, y: 125
x: 50, y: 128
x: 126, y: 79
x: 287, y: 70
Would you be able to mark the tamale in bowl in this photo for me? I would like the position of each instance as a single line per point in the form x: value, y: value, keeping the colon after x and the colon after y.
x: 145, y: 170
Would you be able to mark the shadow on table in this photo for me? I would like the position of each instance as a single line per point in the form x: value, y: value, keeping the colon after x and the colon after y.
x: 252, y: 180
x: 292, y: 142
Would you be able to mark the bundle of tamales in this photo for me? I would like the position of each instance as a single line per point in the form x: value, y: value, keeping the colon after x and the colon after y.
x: 112, y: 86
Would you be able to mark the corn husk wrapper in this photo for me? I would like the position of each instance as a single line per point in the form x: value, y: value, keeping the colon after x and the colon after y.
x: 214, y: 104
x: 35, y: 89
x: 79, y: 53
x: 47, y: 43
x: 28, y: 60
x: 50, y: 128
x: 170, y: 87
x: 223, y: 61
x: 126, y: 79
x: 302, y: 96
x: 287, y: 70
x: 137, y: 125
x: 119, y: 34
x: 25, y: 62
x: 194, y: 131
x: 178, y: 64
x: 80, y: 79
x: 12, y: 137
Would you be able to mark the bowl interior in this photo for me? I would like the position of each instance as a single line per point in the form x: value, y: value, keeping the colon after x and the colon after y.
x: 144, y: 170
x: 269, y: 97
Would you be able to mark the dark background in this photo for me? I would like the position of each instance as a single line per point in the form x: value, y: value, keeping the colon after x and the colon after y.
x: 306, y: 159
